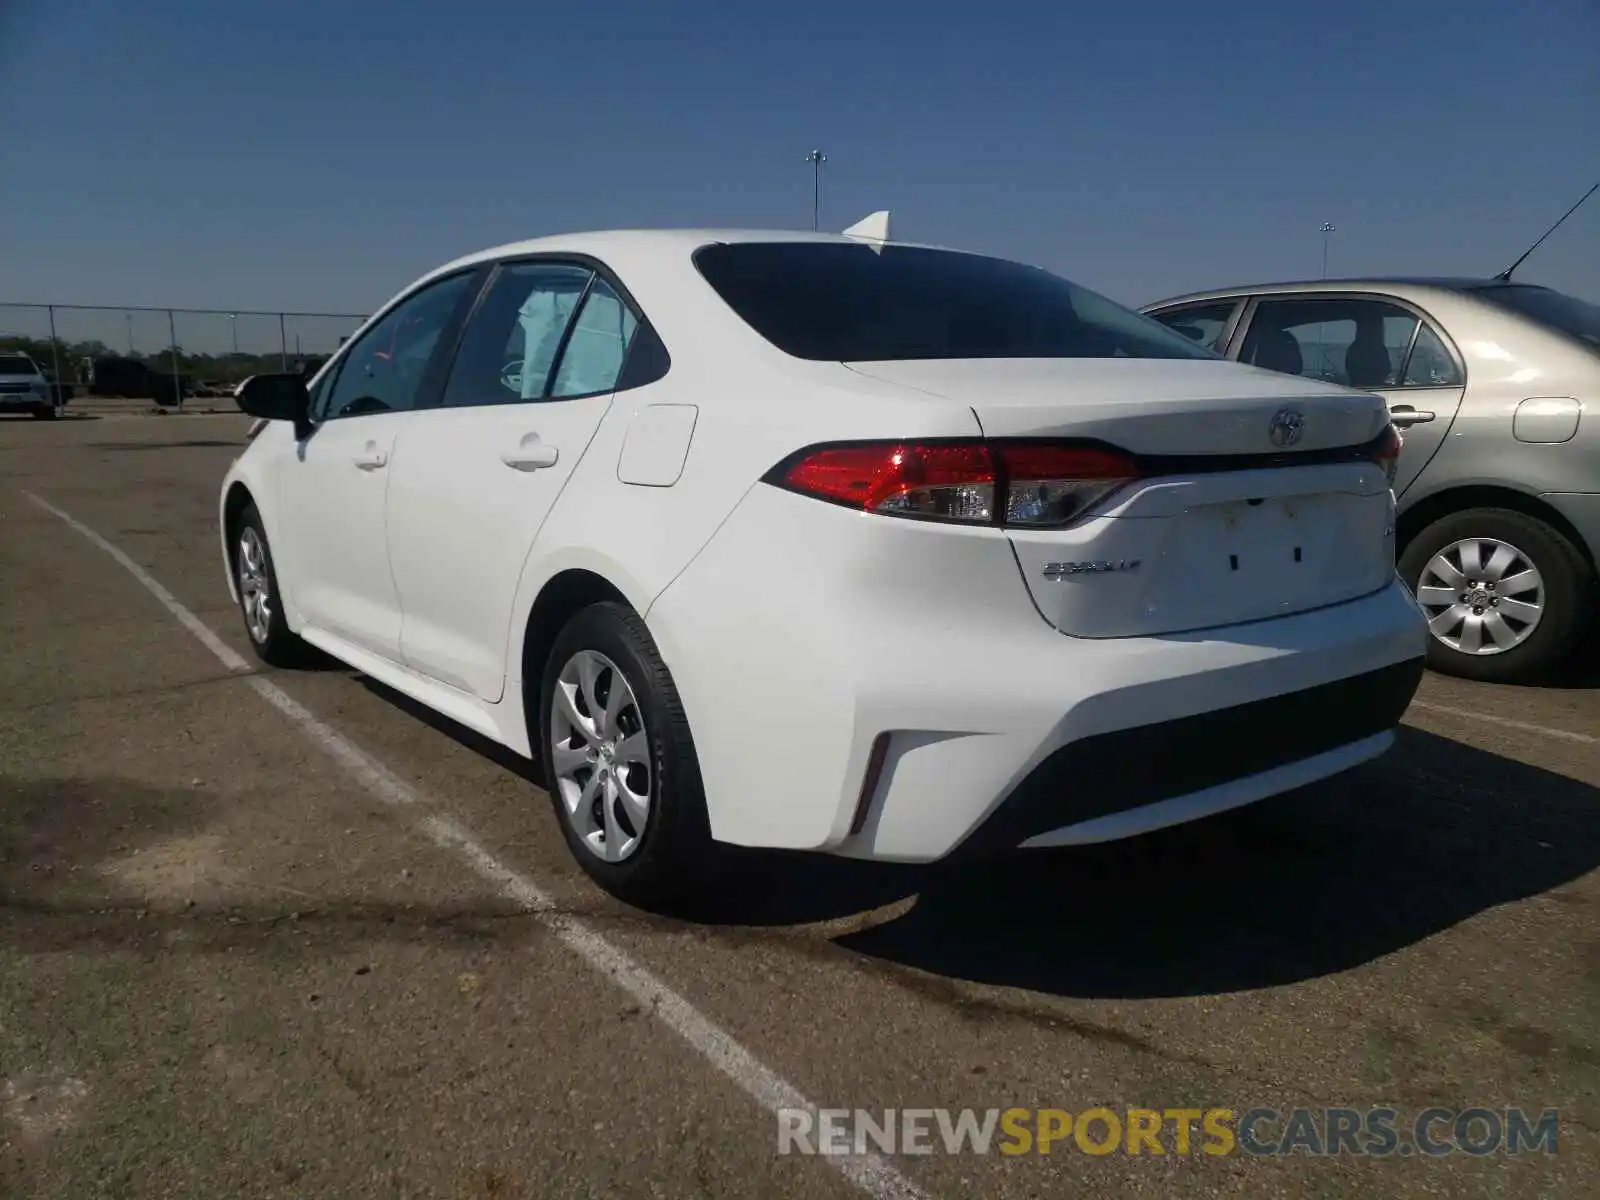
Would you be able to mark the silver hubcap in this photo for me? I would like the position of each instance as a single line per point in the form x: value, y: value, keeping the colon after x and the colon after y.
x: 255, y: 593
x: 601, y: 756
x: 1482, y: 596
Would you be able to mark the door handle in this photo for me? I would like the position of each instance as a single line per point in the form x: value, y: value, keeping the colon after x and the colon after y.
x: 530, y: 454
x: 371, y: 458
x: 1404, y: 416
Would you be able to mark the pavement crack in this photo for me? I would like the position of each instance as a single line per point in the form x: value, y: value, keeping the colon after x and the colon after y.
x: 156, y: 690
x: 947, y: 992
x: 972, y: 1006
x: 42, y: 926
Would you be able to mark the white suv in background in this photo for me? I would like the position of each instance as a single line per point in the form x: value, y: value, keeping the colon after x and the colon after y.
x: 23, y: 387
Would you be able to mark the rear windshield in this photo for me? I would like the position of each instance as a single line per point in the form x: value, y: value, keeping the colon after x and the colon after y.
x: 1568, y: 314
x: 16, y: 364
x: 860, y: 303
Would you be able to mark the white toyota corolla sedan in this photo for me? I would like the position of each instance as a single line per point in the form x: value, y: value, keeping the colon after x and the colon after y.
x: 830, y: 543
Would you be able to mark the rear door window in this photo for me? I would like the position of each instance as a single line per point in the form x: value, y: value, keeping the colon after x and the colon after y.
x: 1355, y: 342
x: 597, y: 346
x: 1430, y: 364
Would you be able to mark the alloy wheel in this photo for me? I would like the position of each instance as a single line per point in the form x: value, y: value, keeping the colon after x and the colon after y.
x: 255, y: 590
x: 601, y: 756
x: 1482, y: 596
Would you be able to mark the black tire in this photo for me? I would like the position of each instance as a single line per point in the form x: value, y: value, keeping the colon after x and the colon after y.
x: 675, y: 857
x: 280, y: 647
x: 1568, y: 593
x: 44, y: 412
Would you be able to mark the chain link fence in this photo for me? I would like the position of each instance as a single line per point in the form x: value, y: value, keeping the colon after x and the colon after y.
x: 166, y: 355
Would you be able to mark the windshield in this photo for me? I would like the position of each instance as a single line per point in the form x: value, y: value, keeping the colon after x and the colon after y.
x: 17, y: 364
x: 859, y: 303
x: 1568, y: 314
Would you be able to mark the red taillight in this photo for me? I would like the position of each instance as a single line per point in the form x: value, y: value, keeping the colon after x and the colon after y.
x: 1386, y: 451
x: 952, y: 480
x: 1039, y: 483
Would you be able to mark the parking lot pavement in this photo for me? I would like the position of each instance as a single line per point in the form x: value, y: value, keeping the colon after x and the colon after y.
x: 228, y: 967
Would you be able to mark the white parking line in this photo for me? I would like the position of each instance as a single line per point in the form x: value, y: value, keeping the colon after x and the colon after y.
x: 1565, y: 735
x: 872, y: 1173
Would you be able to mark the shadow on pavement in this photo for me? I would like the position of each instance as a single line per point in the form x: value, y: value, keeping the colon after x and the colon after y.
x: 1582, y: 674
x: 312, y: 659
x: 472, y: 740
x: 1298, y: 887
x: 1578, y: 671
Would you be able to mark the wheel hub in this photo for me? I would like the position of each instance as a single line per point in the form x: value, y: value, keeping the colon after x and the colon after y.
x: 1482, y: 596
x: 601, y: 756
x: 255, y: 593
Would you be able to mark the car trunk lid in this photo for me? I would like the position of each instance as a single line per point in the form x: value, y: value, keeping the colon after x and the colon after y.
x: 1247, y: 505
x: 1145, y: 406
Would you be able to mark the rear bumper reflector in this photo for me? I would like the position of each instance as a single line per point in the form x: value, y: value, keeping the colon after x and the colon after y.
x: 869, y: 782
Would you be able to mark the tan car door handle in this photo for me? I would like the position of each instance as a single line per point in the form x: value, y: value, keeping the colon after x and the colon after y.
x: 1404, y: 416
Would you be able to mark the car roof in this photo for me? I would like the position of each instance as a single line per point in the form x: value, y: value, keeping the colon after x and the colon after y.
x: 605, y: 243
x: 1397, y: 284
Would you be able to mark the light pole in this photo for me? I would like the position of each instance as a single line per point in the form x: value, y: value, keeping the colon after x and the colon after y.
x: 129, y: 318
x: 816, y: 158
x: 233, y: 319
x: 1326, y: 230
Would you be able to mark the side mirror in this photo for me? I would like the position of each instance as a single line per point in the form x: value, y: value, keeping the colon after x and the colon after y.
x: 277, y: 397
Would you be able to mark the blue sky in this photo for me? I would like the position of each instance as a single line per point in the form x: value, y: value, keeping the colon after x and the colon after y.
x: 316, y: 156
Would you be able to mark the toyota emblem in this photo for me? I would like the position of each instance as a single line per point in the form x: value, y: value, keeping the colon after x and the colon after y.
x: 1287, y: 427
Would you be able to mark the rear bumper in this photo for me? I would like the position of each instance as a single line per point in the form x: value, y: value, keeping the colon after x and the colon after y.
x: 804, y: 633
x: 1133, y: 780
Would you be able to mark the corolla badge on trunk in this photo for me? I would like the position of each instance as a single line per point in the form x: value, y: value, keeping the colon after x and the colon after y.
x: 1065, y: 570
x: 1287, y: 427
